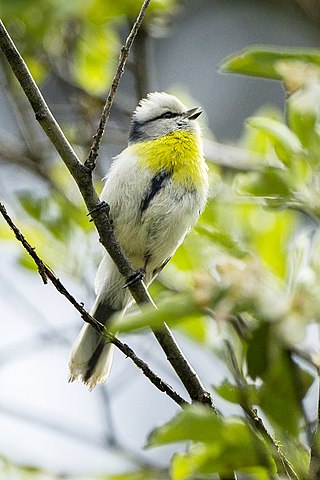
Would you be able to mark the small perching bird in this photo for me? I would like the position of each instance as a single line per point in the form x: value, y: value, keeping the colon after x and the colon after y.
x: 156, y: 189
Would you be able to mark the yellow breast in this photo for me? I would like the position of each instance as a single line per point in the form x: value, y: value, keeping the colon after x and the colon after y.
x: 179, y: 151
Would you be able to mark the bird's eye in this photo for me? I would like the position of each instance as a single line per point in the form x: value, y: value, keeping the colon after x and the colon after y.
x: 167, y: 115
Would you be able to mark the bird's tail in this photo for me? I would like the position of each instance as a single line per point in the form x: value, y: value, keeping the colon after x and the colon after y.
x: 91, y: 356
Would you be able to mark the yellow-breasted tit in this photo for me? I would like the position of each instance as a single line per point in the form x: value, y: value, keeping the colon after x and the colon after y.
x: 156, y: 189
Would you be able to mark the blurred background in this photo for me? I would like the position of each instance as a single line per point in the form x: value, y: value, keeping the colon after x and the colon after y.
x: 72, y: 49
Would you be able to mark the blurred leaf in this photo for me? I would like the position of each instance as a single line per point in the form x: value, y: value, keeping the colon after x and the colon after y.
x: 298, y: 455
x: 172, y: 311
x: 268, y: 183
x: 9, y: 470
x: 27, y: 262
x: 264, y: 61
x: 5, y: 232
x: 255, y: 140
x: 184, y: 258
x: 102, y: 10
x: 284, y: 387
x: 227, y: 445
x: 33, y: 206
x: 258, y: 351
x: 56, y: 213
x: 38, y: 70
x: 303, y: 109
x: 143, y: 474
x: 285, y: 142
x: 194, y: 422
x: 196, y: 328
x: 95, y: 57
x: 223, y: 240
x: 85, y: 46
x: 273, y: 232
x: 235, y: 394
x: 203, y: 462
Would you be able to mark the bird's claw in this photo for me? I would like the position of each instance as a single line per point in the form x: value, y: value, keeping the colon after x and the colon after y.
x: 135, y: 277
x: 101, y: 206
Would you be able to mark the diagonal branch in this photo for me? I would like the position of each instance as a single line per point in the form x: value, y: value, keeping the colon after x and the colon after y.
x: 47, y: 274
x: 83, y: 177
x: 124, y: 54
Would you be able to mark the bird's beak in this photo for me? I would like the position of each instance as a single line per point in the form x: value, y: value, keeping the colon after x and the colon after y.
x: 193, y: 113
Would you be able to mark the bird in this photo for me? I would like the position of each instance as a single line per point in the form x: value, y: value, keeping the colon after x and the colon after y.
x: 156, y: 188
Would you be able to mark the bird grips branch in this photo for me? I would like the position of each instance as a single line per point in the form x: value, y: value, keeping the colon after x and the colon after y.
x: 82, y: 176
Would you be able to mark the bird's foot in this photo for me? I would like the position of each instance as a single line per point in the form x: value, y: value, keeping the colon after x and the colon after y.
x: 135, y: 277
x: 101, y: 206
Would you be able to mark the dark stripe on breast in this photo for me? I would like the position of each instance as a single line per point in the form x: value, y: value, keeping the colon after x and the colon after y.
x: 154, y: 188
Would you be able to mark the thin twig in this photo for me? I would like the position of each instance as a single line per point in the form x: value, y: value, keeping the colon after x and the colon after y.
x: 47, y: 274
x: 124, y: 53
x: 256, y: 421
x: 83, y: 177
x: 260, y: 427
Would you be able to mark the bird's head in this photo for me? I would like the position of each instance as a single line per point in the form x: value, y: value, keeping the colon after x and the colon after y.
x: 160, y: 114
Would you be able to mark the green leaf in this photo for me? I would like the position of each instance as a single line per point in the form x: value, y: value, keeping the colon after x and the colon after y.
x: 196, y: 328
x: 206, y: 462
x: 184, y: 258
x: 172, y: 310
x: 285, y: 142
x: 270, y: 183
x: 95, y: 57
x: 258, y: 351
x: 143, y: 474
x: 32, y: 205
x: 284, y: 383
x: 226, y: 444
x: 38, y: 70
x: 194, y: 422
x: 284, y: 387
x: 223, y: 240
x: 261, y: 61
x: 27, y: 262
x: 273, y: 232
x: 234, y: 394
x: 303, y: 116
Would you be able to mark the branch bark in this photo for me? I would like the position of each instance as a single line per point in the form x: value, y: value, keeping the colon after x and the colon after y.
x: 83, y: 177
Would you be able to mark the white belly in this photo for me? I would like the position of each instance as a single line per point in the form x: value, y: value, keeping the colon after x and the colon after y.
x: 162, y: 226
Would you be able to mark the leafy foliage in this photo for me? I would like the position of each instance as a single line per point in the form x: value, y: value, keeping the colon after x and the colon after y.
x: 266, y: 62
x: 218, y: 445
x: 87, y: 40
